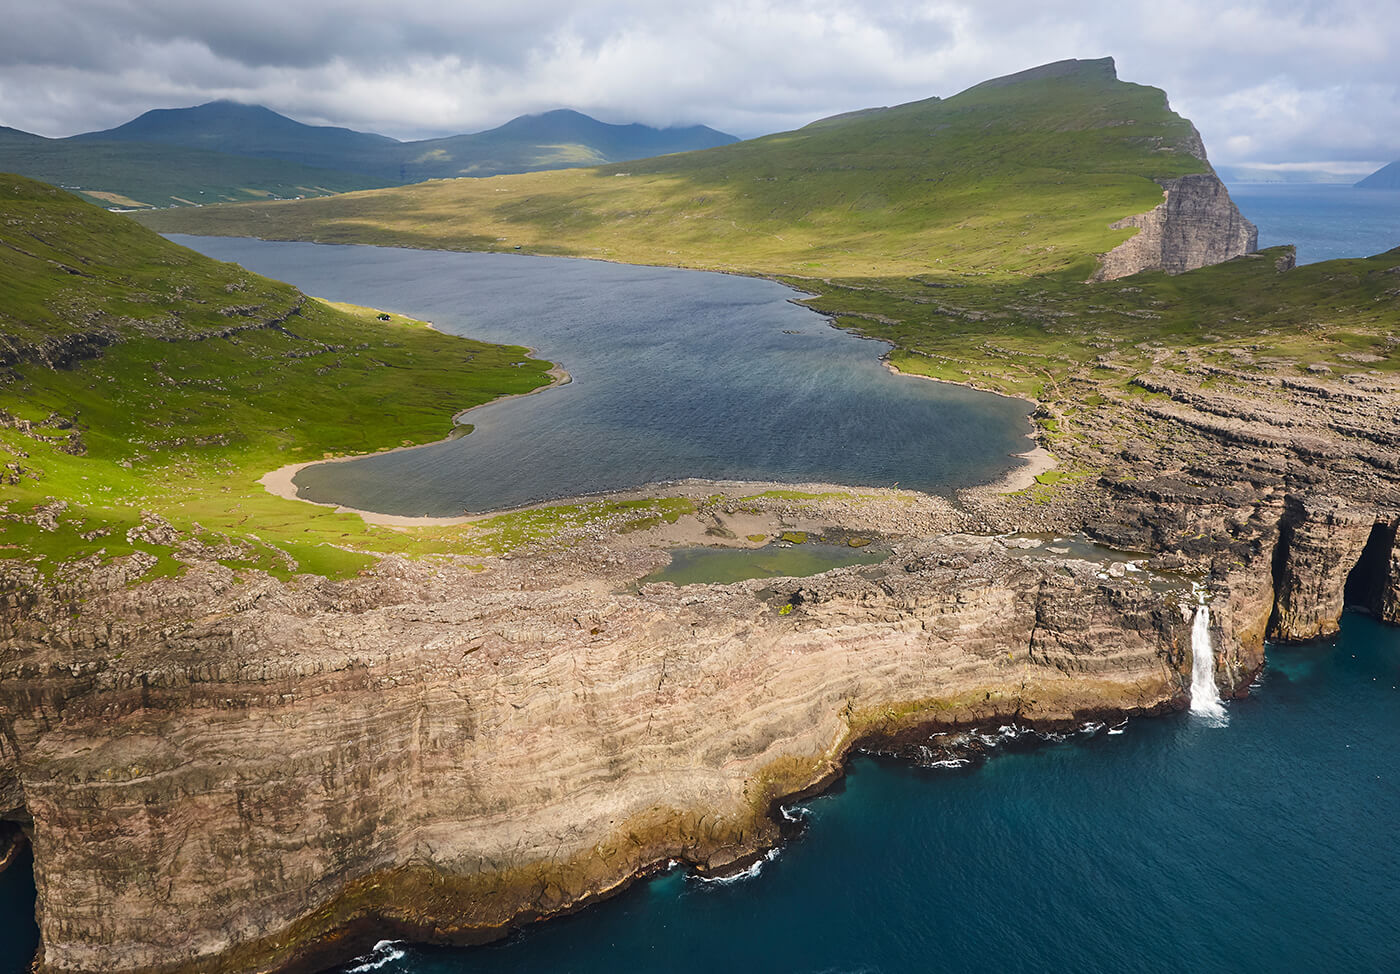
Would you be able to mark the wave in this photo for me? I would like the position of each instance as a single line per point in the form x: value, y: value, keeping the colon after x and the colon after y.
x: 384, y: 952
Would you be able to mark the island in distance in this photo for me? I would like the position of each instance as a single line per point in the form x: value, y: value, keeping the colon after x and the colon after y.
x: 224, y: 151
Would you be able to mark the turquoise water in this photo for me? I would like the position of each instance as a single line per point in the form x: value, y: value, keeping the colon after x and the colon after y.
x: 1324, y: 221
x: 1265, y: 845
x: 675, y: 374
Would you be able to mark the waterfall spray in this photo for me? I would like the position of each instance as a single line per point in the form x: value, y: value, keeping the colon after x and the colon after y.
x: 1205, y: 698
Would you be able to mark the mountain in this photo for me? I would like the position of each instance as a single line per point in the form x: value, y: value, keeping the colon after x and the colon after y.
x: 1020, y: 175
x: 248, y: 130
x: 1387, y: 177
x: 551, y: 140
x: 224, y: 152
x: 131, y: 175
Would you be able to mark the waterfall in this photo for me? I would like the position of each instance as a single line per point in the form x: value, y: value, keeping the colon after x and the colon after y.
x: 1205, y: 698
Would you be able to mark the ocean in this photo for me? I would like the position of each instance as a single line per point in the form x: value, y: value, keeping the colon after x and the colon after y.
x: 1324, y: 221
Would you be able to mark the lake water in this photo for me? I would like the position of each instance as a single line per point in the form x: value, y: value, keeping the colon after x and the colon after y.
x: 721, y: 566
x: 1324, y: 221
x: 675, y: 374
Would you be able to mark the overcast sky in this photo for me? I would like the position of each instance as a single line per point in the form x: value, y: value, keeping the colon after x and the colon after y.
x: 1266, y: 81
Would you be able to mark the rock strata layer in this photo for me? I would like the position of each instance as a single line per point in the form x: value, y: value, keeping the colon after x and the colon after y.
x: 220, y: 774
x: 228, y: 774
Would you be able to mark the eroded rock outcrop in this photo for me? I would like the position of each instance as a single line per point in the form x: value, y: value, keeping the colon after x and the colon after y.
x: 1195, y: 225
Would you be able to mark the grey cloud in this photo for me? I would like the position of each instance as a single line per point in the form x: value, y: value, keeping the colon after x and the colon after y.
x: 1263, y: 80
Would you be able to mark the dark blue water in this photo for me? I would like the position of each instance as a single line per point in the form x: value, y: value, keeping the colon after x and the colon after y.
x: 1325, y: 222
x: 675, y: 374
x: 1266, y: 845
x: 19, y: 934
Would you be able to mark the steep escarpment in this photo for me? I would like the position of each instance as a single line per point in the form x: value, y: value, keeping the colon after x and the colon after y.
x: 223, y: 772
x: 1195, y: 225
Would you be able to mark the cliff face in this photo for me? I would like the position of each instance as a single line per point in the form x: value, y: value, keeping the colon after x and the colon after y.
x: 221, y: 774
x: 1196, y: 224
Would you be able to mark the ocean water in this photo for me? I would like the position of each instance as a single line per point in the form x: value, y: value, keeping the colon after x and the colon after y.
x: 19, y: 935
x: 675, y: 374
x: 1325, y: 222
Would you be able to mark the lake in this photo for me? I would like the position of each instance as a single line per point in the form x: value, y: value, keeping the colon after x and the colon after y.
x: 676, y: 374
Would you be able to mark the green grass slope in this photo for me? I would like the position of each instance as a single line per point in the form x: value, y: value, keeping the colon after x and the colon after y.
x: 1014, y: 177
x: 140, y: 378
x: 135, y: 174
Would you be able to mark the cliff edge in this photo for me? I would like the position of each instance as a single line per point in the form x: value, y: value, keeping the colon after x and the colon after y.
x: 1195, y: 225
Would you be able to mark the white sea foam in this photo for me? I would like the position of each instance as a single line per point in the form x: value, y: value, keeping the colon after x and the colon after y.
x: 750, y: 873
x: 384, y: 952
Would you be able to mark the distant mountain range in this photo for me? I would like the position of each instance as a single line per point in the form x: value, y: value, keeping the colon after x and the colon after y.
x: 1386, y: 177
x: 225, y: 151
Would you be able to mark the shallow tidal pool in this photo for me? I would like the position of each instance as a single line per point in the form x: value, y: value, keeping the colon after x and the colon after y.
x: 722, y: 566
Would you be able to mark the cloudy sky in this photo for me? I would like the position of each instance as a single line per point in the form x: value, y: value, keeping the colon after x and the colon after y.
x: 1266, y: 81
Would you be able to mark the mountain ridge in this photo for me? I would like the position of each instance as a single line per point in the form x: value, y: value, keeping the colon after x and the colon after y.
x: 226, y: 151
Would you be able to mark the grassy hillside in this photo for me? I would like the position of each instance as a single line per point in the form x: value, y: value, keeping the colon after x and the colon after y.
x: 1015, y: 177
x: 139, y: 378
x: 135, y: 174
x: 1031, y: 337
